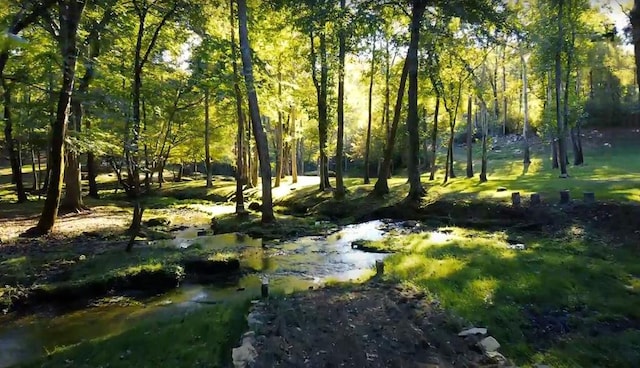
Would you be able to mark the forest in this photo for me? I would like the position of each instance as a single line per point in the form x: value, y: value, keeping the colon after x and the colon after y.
x: 319, y: 183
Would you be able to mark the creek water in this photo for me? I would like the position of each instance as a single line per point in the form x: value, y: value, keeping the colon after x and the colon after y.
x: 289, y: 266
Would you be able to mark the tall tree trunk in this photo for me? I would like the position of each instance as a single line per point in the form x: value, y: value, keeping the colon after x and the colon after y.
x: 294, y: 146
x: 485, y: 132
x: 367, y: 148
x: 279, y: 133
x: 525, y: 96
x: 382, y: 186
x: 16, y: 168
x: 340, y: 190
x: 207, y: 139
x: 241, y: 176
x: 416, y: 191
x: 469, y: 141
x: 34, y: 171
x: 425, y: 142
x: 634, y: 18
x: 70, y: 12
x: 562, y: 146
x: 434, y: 139
x: 258, y: 131
x: 504, y: 91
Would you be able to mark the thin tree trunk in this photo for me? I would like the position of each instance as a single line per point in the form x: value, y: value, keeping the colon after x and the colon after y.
x: 34, y: 171
x: 16, y: 168
x: 241, y: 176
x: 485, y: 132
x: 634, y: 17
x: 294, y: 147
x: 70, y: 12
x: 207, y: 139
x: 562, y: 147
x: 504, y: 90
x: 382, y: 186
x: 434, y: 139
x: 367, y: 149
x: 525, y: 128
x: 258, y: 131
x: 469, y: 141
x: 340, y: 190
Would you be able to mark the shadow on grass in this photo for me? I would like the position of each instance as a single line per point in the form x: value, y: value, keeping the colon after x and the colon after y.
x: 203, y: 337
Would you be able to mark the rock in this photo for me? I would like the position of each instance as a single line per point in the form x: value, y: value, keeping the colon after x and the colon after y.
x: 541, y: 366
x: 496, y: 357
x: 244, y: 356
x: 489, y: 344
x: 518, y: 246
x: 159, y: 221
x: 410, y: 224
x: 253, y: 320
x: 473, y: 331
x: 501, y: 189
x: 535, y: 199
x: 255, y: 206
x: 202, y: 233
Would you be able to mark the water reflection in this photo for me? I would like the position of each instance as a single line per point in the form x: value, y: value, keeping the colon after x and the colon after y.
x: 289, y: 265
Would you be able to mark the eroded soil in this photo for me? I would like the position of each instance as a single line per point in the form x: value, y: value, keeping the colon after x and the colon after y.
x: 370, y: 325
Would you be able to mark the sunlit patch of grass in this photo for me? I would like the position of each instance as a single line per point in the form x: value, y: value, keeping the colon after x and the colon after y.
x: 476, y: 275
x: 201, y: 338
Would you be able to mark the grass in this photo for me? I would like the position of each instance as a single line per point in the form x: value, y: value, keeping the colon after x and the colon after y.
x: 201, y: 338
x: 567, y: 301
x: 90, y: 272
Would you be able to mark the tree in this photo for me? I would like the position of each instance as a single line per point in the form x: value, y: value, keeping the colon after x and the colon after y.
x: 340, y: 191
x: 254, y: 110
x: 370, y: 114
x: 240, y: 173
x: 70, y: 12
x: 416, y: 191
x: 469, y: 141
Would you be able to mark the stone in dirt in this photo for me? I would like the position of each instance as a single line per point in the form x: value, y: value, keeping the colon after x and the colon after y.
x: 501, y: 189
x: 473, y: 331
x: 489, y: 344
x: 157, y: 222
x: 244, y: 356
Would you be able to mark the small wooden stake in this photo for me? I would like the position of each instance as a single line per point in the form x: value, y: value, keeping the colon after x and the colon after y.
x: 589, y: 197
x: 515, y: 199
x: 379, y: 268
x: 535, y: 199
x: 565, y: 198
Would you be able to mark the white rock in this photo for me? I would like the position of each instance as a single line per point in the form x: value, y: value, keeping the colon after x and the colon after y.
x: 489, y: 344
x: 473, y: 331
x: 243, y: 356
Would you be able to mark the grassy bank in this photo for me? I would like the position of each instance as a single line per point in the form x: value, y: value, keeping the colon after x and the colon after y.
x: 202, y: 338
x: 78, y: 271
x: 566, y: 300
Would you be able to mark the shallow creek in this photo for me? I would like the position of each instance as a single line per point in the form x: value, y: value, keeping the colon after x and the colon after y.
x: 289, y: 266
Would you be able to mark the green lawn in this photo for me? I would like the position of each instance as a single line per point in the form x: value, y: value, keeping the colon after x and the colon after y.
x: 567, y: 301
x: 202, y: 338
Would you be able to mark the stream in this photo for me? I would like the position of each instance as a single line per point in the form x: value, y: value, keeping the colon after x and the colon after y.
x: 289, y: 266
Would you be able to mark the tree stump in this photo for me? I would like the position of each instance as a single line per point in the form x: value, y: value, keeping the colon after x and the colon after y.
x: 565, y: 198
x: 515, y: 199
x: 535, y: 199
x: 589, y: 197
x: 379, y: 268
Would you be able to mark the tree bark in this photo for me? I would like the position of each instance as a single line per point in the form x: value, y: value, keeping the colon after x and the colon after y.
x: 294, y: 147
x: 416, y: 191
x: 241, y: 176
x: 382, y: 186
x: 207, y: 139
x: 279, y: 133
x: 367, y: 149
x: 16, y: 168
x: 70, y: 12
x: 485, y: 132
x: 634, y: 18
x: 340, y: 190
x: 434, y: 139
x: 469, y: 141
x: 525, y: 128
x: 258, y: 131
x: 562, y: 147
x: 321, y: 92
